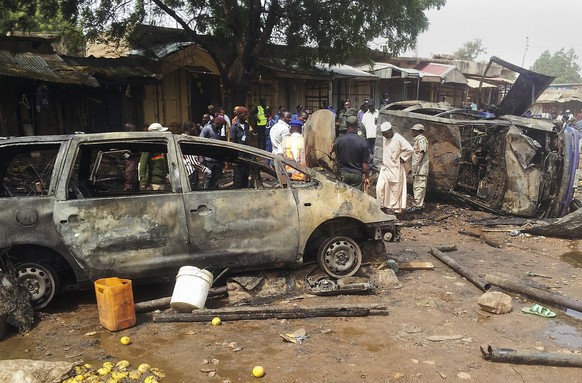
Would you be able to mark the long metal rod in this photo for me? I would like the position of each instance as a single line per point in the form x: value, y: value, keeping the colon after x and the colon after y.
x: 506, y: 355
x: 462, y: 270
x: 540, y: 295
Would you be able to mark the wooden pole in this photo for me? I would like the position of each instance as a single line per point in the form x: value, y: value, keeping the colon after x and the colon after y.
x: 268, y: 312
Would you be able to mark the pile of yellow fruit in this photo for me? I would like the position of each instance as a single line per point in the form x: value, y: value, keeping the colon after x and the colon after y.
x: 118, y: 373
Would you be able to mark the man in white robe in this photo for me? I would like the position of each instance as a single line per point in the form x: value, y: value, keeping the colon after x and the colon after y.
x: 391, y: 186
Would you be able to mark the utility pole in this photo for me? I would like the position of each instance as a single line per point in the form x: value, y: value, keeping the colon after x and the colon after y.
x: 526, y: 46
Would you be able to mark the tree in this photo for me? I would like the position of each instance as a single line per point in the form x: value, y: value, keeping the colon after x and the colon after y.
x: 47, y: 16
x: 311, y: 30
x: 470, y: 50
x: 561, y: 64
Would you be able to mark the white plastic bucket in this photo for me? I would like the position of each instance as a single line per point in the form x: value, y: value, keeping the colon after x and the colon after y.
x: 191, y: 289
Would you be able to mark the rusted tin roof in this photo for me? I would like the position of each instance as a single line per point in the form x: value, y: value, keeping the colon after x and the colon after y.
x: 111, y: 68
x: 45, y: 67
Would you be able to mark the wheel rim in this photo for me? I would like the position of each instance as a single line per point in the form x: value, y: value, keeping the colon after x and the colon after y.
x: 40, y: 282
x: 340, y: 257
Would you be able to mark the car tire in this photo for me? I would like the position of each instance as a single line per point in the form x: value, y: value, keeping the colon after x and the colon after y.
x: 40, y: 280
x: 339, y: 256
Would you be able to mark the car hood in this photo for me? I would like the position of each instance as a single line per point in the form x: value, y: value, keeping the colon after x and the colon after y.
x: 525, y: 90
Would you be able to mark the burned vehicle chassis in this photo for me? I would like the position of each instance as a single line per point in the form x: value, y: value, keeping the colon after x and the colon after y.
x: 69, y: 221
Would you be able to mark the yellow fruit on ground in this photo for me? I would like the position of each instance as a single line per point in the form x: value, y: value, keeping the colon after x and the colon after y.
x: 216, y: 321
x: 144, y: 367
x: 258, y: 371
x: 79, y: 378
x: 134, y: 375
x: 104, y: 371
x: 150, y: 379
x: 122, y: 365
x: 118, y: 374
x: 125, y: 340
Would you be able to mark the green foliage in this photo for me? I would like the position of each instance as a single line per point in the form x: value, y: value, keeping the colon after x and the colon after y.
x: 311, y: 30
x: 561, y: 64
x: 47, y: 16
x: 470, y: 50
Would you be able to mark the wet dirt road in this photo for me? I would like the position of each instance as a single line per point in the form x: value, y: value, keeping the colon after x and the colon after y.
x: 399, y: 347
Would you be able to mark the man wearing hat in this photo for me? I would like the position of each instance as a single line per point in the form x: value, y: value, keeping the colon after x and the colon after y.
x: 391, y: 186
x: 352, y: 156
x: 153, y: 167
x: 360, y: 130
x: 294, y: 149
x: 419, y: 167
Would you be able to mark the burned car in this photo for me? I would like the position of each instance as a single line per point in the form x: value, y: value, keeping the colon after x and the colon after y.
x: 67, y: 218
x: 496, y: 160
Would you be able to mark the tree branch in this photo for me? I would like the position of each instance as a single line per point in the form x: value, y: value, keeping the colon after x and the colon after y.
x: 195, y: 37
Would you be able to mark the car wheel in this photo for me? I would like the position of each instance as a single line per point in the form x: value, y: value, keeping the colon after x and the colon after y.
x: 40, y: 280
x: 340, y: 257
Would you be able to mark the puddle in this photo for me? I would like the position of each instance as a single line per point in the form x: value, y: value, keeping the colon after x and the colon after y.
x: 566, y: 335
x: 573, y: 313
x: 573, y: 258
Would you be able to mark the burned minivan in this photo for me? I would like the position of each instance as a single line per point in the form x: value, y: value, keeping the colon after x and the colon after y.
x: 68, y: 216
x: 498, y: 160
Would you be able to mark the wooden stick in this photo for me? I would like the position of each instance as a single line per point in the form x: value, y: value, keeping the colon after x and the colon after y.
x: 164, y: 303
x: 268, y: 312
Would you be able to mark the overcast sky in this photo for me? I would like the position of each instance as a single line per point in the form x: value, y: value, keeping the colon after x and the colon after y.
x: 503, y: 26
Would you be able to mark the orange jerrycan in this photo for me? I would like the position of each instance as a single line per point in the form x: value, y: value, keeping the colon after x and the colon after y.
x: 115, y: 303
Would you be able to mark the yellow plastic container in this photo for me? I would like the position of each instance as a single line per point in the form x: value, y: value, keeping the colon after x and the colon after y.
x: 115, y: 303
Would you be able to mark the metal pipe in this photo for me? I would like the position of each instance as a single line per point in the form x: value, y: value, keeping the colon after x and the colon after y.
x: 462, y: 270
x: 540, y: 295
x: 507, y: 355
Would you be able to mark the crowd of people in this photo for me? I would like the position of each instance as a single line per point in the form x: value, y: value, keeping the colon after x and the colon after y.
x: 281, y: 132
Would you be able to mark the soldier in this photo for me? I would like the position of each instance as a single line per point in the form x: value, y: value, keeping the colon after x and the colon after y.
x: 419, y: 167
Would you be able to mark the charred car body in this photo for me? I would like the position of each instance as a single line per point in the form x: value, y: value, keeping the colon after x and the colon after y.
x: 67, y: 220
x: 497, y: 161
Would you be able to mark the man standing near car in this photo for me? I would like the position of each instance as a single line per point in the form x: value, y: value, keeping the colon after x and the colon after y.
x: 153, y: 167
x: 131, y: 160
x: 279, y: 131
x: 369, y: 121
x: 391, y: 186
x: 239, y: 133
x: 419, y: 167
x: 260, y: 120
x: 352, y: 156
x: 213, y: 131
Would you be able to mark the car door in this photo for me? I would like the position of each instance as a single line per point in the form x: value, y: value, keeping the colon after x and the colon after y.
x: 112, y: 231
x: 233, y: 227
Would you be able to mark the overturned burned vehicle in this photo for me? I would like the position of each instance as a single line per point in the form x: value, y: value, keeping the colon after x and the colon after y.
x: 67, y: 218
x: 497, y: 161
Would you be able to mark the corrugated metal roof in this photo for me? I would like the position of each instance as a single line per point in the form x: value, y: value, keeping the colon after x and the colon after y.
x: 438, y: 69
x: 475, y: 84
x: 49, y: 68
x: 346, y: 71
x: 111, y: 68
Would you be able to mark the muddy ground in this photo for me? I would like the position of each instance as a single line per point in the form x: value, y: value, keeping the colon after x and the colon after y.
x: 392, y: 348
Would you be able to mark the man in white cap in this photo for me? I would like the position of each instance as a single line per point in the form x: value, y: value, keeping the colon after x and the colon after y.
x: 419, y: 167
x: 391, y: 186
x: 153, y: 167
